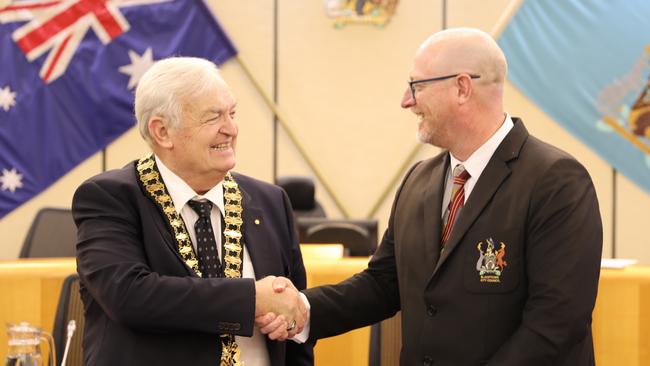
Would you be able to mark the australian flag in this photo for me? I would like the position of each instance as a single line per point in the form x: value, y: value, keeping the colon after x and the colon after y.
x: 68, y: 69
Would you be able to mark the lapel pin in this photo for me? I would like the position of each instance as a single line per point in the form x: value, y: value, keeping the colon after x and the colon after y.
x: 257, y: 221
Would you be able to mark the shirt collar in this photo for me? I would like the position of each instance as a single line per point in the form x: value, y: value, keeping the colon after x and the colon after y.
x: 181, y: 192
x: 479, y: 159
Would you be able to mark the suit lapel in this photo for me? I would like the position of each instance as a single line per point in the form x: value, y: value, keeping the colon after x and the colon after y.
x: 491, y: 178
x: 253, y: 232
x: 166, y: 233
x: 160, y: 221
x: 432, y: 199
x: 494, y: 174
x: 261, y: 256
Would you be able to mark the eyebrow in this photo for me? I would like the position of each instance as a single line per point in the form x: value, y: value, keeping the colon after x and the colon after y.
x: 216, y: 111
x: 211, y: 111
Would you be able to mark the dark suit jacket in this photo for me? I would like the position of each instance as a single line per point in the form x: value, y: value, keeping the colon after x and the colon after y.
x: 534, y: 198
x: 144, y: 306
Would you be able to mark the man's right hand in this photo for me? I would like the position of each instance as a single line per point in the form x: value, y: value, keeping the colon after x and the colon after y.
x: 278, y: 296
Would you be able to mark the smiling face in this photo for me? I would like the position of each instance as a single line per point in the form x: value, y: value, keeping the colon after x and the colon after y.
x: 463, y: 107
x: 202, y: 147
x: 432, y: 101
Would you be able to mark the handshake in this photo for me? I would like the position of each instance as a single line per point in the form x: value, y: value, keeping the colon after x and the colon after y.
x: 280, y: 312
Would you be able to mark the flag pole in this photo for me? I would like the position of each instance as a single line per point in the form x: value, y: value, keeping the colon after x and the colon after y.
x: 285, y: 125
x: 505, y: 17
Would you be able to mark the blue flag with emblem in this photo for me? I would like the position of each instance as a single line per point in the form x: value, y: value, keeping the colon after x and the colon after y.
x: 587, y: 65
x: 68, y: 69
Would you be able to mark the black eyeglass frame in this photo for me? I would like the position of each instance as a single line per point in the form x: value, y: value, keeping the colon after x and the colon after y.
x: 413, y: 82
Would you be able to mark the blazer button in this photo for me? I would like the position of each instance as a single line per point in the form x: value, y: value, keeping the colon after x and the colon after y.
x: 427, y: 361
x: 431, y: 310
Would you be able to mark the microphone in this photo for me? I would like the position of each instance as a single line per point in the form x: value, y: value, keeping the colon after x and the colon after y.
x: 72, y: 326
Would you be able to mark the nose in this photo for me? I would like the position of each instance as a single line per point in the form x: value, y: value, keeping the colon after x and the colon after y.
x: 230, y: 127
x: 407, y: 99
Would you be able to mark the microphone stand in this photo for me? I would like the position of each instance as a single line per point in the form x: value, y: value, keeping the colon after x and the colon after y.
x: 72, y: 326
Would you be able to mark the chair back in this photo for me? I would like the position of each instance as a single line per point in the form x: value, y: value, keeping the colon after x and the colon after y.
x: 69, y: 308
x: 301, y: 192
x: 356, y: 239
x: 52, y: 234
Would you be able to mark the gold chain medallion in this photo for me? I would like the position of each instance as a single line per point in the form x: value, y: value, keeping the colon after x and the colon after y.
x: 155, y: 187
x: 232, y: 257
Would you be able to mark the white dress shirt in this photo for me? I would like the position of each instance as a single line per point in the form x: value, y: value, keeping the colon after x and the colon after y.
x: 253, y: 349
x: 476, y: 163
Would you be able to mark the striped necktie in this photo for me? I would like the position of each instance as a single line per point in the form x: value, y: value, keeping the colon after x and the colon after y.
x: 456, y: 202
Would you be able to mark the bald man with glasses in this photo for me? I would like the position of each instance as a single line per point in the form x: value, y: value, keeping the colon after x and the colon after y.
x: 493, y: 246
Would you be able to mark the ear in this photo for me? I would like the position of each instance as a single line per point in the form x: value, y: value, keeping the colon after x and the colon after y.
x: 464, y: 88
x: 160, y: 132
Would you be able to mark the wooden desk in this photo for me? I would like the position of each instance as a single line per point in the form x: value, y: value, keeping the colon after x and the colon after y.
x: 30, y: 290
x: 346, y: 349
x: 621, y: 324
x: 621, y: 318
x: 322, y: 251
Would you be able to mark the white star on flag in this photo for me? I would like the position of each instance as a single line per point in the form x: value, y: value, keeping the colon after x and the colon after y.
x: 7, y: 98
x: 11, y: 180
x: 139, y: 65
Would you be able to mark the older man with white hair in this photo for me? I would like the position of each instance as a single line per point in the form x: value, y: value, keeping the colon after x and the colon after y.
x: 170, y: 246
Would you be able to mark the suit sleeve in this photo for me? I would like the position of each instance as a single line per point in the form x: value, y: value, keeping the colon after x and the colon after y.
x: 297, y: 354
x: 363, y: 299
x: 563, y: 251
x: 113, y: 265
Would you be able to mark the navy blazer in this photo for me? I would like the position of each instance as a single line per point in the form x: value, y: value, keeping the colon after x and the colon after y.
x: 144, y: 306
x: 529, y: 305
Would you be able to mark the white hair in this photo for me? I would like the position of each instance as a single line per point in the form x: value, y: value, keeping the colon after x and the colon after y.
x: 167, y: 86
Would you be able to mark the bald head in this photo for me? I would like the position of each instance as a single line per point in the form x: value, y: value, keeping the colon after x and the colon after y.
x: 457, y: 87
x: 464, y: 50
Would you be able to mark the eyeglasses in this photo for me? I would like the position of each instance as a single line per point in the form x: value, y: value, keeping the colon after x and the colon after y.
x: 412, y: 83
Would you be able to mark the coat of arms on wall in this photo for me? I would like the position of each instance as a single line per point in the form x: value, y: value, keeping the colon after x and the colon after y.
x: 376, y: 12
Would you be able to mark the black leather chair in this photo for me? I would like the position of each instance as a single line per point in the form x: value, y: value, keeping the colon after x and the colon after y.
x: 69, y: 308
x: 357, y: 240
x: 52, y: 234
x: 302, y: 195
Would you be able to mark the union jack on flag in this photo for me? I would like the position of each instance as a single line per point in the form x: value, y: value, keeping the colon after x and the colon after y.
x: 67, y: 73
